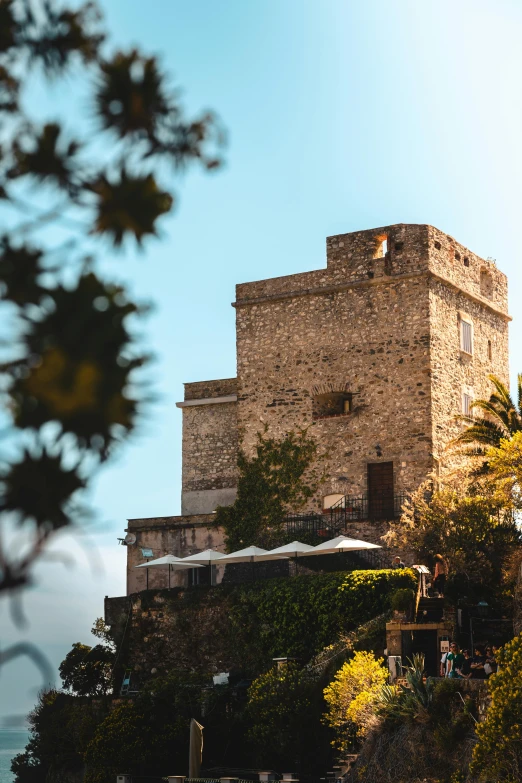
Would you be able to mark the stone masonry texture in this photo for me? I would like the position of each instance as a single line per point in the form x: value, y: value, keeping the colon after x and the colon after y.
x: 381, y: 323
x: 386, y: 329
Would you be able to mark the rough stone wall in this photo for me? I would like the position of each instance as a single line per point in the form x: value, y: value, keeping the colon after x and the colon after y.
x: 463, y: 284
x: 179, y: 536
x: 209, y: 447
x: 384, y: 328
x: 369, y: 337
x: 210, y: 438
x: 454, y: 371
x: 464, y: 269
x: 380, y: 323
x: 201, y: 390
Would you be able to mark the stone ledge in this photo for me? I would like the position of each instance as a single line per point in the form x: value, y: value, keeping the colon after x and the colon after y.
x: 366, y: 282
x: 207, y: 401
x: 179, y: 522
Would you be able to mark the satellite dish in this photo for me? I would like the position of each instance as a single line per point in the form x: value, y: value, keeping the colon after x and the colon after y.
x: 130, y: 539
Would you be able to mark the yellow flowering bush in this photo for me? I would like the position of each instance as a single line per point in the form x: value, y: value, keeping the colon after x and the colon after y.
x: 352, y: 695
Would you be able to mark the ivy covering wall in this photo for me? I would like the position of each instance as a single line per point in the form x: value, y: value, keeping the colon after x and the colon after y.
x: 242, y: 627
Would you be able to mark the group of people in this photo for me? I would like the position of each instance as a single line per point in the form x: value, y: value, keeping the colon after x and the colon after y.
x: 464, y: 666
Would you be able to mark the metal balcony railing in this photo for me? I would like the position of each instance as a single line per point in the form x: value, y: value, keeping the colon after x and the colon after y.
x: 379, y: 506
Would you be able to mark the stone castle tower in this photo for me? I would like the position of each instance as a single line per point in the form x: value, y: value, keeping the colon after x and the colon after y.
x: 376, y: 354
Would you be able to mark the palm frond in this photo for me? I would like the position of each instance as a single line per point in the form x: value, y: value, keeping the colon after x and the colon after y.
x: 493, y: 409
x: 480, y: 431
x: 503, y: 391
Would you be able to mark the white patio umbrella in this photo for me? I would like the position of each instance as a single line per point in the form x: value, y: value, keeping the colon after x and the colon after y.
x: 208, y: 557
x: 293, y: 549
x: 341, y: 544
x: 251, y: 554
x: 174, y: 563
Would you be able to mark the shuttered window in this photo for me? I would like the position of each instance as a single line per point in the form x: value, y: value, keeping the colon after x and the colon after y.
x: 466, y: 337
x: 467, y: 399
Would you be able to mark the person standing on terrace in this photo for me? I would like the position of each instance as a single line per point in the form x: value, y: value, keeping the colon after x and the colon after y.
x: 441, y: 571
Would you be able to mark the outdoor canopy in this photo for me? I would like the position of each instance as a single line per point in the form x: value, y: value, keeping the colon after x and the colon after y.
x: 340, y: 544
x: 294, y: 549
x: 207, y: 557
x: 252, y: 554
x: 170, y: 560
x: 174, y: 563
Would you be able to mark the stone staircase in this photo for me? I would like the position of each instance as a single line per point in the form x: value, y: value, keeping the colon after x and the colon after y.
x: 430, y: 610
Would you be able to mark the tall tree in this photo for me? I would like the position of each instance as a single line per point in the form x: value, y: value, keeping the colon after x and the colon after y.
x: 70, y: 371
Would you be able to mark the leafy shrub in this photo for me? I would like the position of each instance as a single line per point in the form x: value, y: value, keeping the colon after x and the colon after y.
x: 352, y: 696
x: 284, y: 719
x: 498, y: 754
x: 300, y: 616
x: 411, y: 701
x: 61, y: 728
x: 270, y: 485
x: 402, y: 600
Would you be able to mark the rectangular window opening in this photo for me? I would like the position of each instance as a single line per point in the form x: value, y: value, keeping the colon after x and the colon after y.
x: 466, y: 336
x: 331, y: 404
x: 490, y: 351
x: 381, y: 246
x: 467, y: 399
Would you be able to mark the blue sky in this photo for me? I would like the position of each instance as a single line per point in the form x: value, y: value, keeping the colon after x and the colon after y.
x: 341, y: 115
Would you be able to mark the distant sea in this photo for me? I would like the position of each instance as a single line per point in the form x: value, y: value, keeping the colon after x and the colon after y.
x: 12, y: 742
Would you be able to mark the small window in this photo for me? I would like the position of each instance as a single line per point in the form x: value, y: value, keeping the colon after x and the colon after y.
x: 466, y: 336
x: 467, y: 399
x: 381, y: 248
x: 331, y: 404
x: 490, y: 351
x: 466, y: 261
x: 457, y: 255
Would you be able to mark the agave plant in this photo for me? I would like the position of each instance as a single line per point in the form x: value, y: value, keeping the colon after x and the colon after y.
x: 501, y: 419
x: 411, y: 701
x: 420, y: 690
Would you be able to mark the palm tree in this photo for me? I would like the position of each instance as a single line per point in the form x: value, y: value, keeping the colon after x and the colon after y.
x: 502, y: 418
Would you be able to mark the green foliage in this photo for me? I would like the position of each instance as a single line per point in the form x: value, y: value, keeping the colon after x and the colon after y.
x: 411, y: 701
x: 61, y: 728
x: 426, y: 732
x: 505, y: 469
x: 70, y: 374
x: 468, y: 527
x: 402, y: 600
x: 498, y: 753
x: 502, y: 418
x: 278, y: 480
x: 256, y: 622
x: 283, y: 718
x: 352, y: 695
x: 298, y: 617
x: 135, y: 738
x: 86, y: 671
